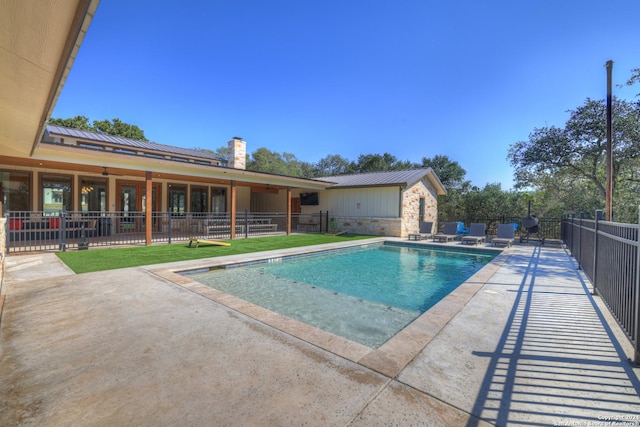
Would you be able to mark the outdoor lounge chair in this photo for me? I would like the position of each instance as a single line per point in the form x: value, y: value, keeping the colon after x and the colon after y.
x: 505, y: 235
x: 448, y: 233
x: 424, y: 233
x: 476, y: 234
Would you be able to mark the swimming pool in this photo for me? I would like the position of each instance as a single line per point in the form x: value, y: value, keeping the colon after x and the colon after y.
x: 366, y: 294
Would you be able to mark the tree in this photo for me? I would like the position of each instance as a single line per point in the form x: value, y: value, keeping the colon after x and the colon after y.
x: 635, y: 78
x: 381, y: 163
x: 115, y: 127
x: 333, y: 165
x: 222, y: 152
x: 450, y: 172
x: 576, y: 154
x: 297, y: 167
x: 265, y: 160
x: 492, y: 202
x: 452, y: 175
x: 77, y: 122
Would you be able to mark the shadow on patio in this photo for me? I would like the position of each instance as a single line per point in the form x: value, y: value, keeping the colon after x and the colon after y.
x: 557, y: 362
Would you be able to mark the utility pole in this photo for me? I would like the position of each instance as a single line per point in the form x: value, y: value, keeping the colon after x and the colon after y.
x: 609, y: 159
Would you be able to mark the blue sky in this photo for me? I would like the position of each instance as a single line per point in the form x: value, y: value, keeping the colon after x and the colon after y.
x: 414, y: 78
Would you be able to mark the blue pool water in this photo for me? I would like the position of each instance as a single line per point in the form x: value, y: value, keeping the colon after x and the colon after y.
x: 365, y: 294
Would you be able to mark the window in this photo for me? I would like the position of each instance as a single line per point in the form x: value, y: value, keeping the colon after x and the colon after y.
x: 198, y: 199
x: 421, y: 209
x: 218, y: 200
x: 15, y: 191
x: 56, y: 193
x: 177, y: 199
x: 93, y: 195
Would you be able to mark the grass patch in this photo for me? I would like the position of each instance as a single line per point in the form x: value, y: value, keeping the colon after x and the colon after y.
x: 112, y: 258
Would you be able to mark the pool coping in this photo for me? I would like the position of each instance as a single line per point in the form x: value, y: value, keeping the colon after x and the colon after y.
x: 391, y: 357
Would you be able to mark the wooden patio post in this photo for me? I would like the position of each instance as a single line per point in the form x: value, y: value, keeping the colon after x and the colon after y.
x: 233, y: 209
x: 288, y: 211
x: 148, y: 214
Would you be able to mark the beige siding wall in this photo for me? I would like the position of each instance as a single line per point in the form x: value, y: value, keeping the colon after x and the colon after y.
x: 267, y: 202
x: 243, y: 199
x: 378, y: 202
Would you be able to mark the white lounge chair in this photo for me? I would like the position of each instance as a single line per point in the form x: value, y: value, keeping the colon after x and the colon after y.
x: 505, y: 235
x: 476, y: 234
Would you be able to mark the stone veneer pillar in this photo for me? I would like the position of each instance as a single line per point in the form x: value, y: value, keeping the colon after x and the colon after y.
x: 411, y: 207
x: 237, y: 153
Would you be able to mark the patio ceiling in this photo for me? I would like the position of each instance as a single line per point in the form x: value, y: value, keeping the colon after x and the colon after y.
x: 39, y: 40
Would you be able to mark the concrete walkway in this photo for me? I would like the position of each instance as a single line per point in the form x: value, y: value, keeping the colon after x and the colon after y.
x: 129, y: 348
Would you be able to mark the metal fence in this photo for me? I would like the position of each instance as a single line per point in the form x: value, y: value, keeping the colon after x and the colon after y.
x: 31, y: 231
x: 608, y: 253
x: 549, y: 228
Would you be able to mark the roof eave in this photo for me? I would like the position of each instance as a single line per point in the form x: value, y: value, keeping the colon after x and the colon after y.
x: 84, y: 14
x: 62, y: 153
x: 340, y: 187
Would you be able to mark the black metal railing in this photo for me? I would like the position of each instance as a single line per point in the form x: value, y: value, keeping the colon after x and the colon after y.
x: 549, y: 228
x: 32, y: 231
x: 309, y: 222
x: 608, y: 253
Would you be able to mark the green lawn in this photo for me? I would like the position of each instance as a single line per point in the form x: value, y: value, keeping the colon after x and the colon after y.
x: 111, y: 258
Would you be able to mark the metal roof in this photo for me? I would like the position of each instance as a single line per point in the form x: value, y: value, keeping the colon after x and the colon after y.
x: 400, y: 178
x: 129, y: 143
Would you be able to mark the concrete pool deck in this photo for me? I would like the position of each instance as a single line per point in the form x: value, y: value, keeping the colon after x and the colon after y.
x: 525, y: 344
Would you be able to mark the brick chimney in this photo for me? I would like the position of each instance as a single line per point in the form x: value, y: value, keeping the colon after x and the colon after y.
x: 237, y: 153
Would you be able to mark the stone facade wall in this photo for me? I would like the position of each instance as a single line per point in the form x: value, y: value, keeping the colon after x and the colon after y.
x: 237, y: 153
x: 390, y: 227
x: 411, y: 207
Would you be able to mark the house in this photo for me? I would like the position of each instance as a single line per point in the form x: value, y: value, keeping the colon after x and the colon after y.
x: 383, y: 203
x: 46, y: 170
x: 379, y: 203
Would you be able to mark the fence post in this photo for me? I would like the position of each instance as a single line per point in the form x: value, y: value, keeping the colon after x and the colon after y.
x: 169, y: 225
x: 595, y: 250
x: 573, y: 237
x: 326, y: 224
x: 570, y: 220
x: 246, y: 223
x: 636, y: 315
x: 63, y: 231
x: 580, y: 241
x: 7, y: 228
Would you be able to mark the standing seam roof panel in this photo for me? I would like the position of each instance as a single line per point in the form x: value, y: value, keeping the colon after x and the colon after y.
x: 378, y: 178
x: 129, y: 143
